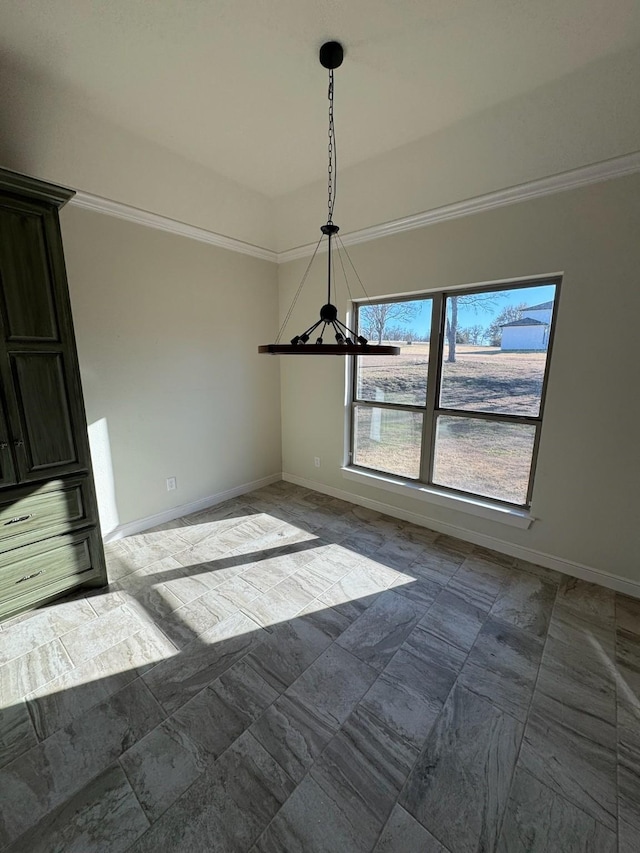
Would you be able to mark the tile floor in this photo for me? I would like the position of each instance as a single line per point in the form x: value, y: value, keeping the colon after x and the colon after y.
x: 288, y: 672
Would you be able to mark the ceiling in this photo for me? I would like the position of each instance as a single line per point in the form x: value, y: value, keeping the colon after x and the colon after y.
x: 237, y: 87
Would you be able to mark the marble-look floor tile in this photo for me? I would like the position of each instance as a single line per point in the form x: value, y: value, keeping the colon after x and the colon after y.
x: 348, y: 733
x: 421, y: 592
x: 502, y: 667
x: 403, y: 834
x: 74, y: 693
x: 434, y: 650
x: 32, y: 670
x: 459, y: 786
x: 356, y: 591
x: 493, y: 556
x: 408, y: 696
x: 176, y: 680
x: 587, y: 599
x: 51, y: 772
x: 287, y: 652
x: 525, y: 602
x: 265, y: 574
x: 17, y: 734
x: 311, y: 821
x: 538, y: 820
x: 293, y: 734
x: 140, y: 550
x: 325, y: 618
x: 215, y: 519
x: 286, y: 599
x: 162, y: 765
x: 627, y: 837
x: 297, y: 726
x: 210, y: 564
x: 628, y: 720
x: 362, y: 770
x: 399, y: 553
x: 548, y: 575
x: 558, y: 751
x: 416, y: 533
x: 628, y: 614
x: 108, y: 598
x: 97, y: 636
x: 437, y: 563
x: 454, y: 620
x: 333, y: 563
x: 364, y: 542
x: 41, y: 627
x: 458, y: 546
x: 190, y: 621
x: 103, y: 817
x: 378, y: 633
x: 226, y: 808
x: 479, y: 581
x: 237, y: 592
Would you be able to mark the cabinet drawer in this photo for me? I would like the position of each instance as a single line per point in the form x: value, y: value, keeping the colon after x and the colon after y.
x: 34, y: 566
x: 30, y: 515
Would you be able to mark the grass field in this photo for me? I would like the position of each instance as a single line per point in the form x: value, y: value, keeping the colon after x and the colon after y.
x: 483, y: 457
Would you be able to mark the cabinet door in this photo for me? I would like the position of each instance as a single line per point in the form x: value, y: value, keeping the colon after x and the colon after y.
x: 7, y: 471
x: 46, y: 445
x: 27, y: 276
x: 42, y: 387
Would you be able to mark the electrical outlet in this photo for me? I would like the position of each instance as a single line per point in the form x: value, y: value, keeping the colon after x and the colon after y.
x: 316, y: 461
x: 171, y: 484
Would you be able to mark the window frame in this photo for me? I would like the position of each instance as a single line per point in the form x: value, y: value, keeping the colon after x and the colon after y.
x: 431, y: 410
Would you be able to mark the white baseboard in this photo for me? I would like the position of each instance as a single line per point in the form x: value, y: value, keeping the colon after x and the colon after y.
x: 549, y: 561
x: 142, y: 524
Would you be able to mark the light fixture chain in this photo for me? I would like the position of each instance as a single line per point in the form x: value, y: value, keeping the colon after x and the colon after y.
x: 332, y: 153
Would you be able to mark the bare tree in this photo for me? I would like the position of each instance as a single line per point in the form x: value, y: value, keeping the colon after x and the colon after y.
x: 375, y: 319
x: 508, y: 313
x: 476, y: 301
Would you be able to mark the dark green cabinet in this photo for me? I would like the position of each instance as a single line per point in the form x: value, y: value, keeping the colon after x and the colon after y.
x: 44, y: 450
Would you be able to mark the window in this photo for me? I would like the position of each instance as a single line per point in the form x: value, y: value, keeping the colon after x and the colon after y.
x: 461, y: 407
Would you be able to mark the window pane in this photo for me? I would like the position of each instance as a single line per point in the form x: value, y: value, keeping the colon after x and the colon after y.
x: 388, y: 440
x: 484, y: 457
x: 399, y: 378
x: 495, y: 351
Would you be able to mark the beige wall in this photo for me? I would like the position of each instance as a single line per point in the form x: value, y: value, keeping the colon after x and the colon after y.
x: 167, y: 332
x: 586, y: 492
x: 583, y: 118
x: 48, y: 131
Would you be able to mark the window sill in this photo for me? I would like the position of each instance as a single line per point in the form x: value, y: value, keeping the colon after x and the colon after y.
x: 472, y: 506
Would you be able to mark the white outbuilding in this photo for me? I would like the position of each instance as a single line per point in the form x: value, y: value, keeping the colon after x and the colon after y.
x: 530, y: 331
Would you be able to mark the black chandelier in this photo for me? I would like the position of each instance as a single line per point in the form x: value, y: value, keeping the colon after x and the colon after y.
x: 348, y: 342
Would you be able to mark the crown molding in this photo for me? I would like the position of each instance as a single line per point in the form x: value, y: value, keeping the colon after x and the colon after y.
x: 603, y: 171
x: 164, y: 223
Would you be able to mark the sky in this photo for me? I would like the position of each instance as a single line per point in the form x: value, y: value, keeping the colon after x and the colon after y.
x: 467, y: 316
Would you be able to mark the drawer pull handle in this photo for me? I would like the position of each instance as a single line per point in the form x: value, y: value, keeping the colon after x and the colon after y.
x: 18, y: 519
x: 28, y: 577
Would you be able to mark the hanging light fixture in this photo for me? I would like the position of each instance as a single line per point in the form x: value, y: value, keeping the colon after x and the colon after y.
x: 348, y: 342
